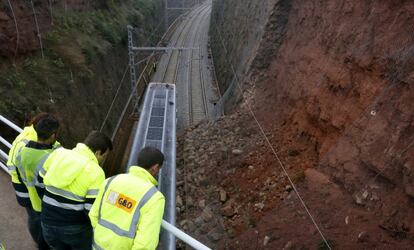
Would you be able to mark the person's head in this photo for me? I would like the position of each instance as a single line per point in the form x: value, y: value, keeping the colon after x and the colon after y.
x: 35, y: 119
x: 151, y: 159
x: 100, y: 144
x: 47, y: 129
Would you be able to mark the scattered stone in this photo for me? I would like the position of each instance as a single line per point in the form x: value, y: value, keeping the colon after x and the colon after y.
x: 374, y: 197
x: 190, y: 226
x: 207, y: 214
x: 288, y: 188
x: 183, y: 223
x: 228, y: 210
x: 289, y: 245
x: 189, y: 201
x: 259, y: 205
x: 203, y: 180
x: 363, y: 236
x: 179, y: 201
x: 250, y: 167
x: 214, y: 236
x: 365, y: 194
x: 202, y: 203
x: 236, y: 151
x: 198, y: 221
x: 205, y: 228
x: 266, y: 240
x: 358, y: 199
x: 347, y: 220
x: 223, y: 195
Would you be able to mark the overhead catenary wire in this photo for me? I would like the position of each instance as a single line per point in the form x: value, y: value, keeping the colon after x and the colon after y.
x: 113, y: 100
x: 238, y: 83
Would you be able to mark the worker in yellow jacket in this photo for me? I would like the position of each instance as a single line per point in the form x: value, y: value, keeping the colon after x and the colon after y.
x: 23, y: 195
x: 72, y: 179
x: 27, y: 160
x: 127, y: 213
x: 28, y: 133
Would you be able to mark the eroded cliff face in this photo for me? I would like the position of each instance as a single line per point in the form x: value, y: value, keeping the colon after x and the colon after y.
x: 333, y: 82
x: 342, y: 74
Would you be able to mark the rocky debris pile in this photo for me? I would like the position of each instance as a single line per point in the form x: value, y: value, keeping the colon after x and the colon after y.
x: 227, y: 179
x: 208, y: 154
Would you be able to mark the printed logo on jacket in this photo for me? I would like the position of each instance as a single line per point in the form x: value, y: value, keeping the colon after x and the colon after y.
x: 121, y: 201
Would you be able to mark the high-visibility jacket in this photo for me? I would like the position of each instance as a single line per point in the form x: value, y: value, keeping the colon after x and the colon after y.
x: 22, y: 194
x: 71, y: 179
x: 29, y: 158
x: 128, y: 211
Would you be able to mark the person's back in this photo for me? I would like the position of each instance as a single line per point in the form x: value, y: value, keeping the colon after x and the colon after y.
x: 27, y: 150
x: 71, y: 179
x: 32, y: 154
x: 128, y: 211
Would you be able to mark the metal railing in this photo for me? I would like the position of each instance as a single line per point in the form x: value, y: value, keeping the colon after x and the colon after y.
x: 157, y: 128
x: 166, y: 225
x: 3, y: 155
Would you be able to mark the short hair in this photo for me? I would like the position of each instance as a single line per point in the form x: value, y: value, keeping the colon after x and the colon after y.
x: 46, y: 127
x: 98, y: 141
x: 35, y: 119
x: 149, y: 156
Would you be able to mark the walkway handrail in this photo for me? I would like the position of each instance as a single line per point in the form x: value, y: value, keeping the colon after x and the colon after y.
x: 10, y: 124
x: 5, y: 142
x: 3, y: 155
x: 184, y: 237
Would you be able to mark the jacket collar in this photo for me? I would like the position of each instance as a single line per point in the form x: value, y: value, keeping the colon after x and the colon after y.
x: 142, y: 174
x: 37, y: 145
x: 85, y: 151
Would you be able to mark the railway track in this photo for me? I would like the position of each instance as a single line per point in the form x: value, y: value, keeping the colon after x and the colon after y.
x: 199, y: 108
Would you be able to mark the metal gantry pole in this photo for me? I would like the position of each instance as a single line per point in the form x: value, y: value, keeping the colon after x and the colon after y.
x: 131, y: 55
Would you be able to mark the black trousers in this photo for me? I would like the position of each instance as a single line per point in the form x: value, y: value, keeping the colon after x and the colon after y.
x: 35, y: 228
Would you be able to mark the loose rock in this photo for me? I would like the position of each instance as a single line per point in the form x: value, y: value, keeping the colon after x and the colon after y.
x: 266, y: 240
x: 223, y: 195
x: 236, y: 151
x: 202, y: 203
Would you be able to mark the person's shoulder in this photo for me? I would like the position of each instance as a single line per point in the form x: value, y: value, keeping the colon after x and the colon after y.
x: 94, y: 170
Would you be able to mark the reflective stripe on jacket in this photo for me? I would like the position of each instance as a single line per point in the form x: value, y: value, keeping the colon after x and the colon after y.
x: 128, y: 211
x: 22, y: 194
x: 71, y: 179
x: 27, y: 162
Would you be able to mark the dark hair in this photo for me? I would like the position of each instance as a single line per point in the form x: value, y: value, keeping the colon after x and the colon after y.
x: 98, y: 141
x: 150, y: 156
x: 35, y: 119
x: 46, y: 127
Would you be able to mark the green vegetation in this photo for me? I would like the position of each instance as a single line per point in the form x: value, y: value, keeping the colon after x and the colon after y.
x: 76, y: 51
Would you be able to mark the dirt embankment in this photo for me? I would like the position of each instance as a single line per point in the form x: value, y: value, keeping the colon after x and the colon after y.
x: 20, y: 13
x: 332, y: 84
x: 83, y: 61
